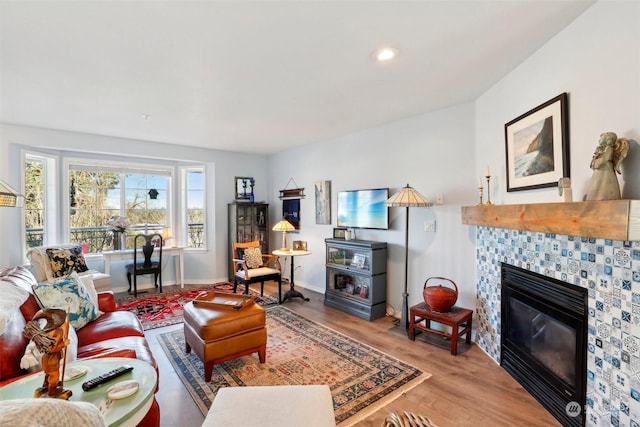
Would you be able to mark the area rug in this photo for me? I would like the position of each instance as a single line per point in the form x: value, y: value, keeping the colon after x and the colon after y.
x: 300, y: 351
x: 157, y: 310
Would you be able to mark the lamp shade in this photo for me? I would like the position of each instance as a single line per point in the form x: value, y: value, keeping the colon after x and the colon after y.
x: 9, y: 196
x: 407, y: 197
x: 283, y: 225
x: 166, y: 233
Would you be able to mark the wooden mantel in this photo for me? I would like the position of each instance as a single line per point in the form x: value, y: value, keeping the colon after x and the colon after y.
x: 610, y: 219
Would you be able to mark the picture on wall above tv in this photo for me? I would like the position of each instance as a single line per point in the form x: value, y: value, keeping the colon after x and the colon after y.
x: 363, y: 209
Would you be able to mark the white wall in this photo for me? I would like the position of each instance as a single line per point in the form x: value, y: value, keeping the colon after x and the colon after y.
x: 222, y: 167
x: 596, y: 60
x: 434, y: 153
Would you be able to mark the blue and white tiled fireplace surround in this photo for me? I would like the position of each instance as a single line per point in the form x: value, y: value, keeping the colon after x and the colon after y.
x: 610, y: 270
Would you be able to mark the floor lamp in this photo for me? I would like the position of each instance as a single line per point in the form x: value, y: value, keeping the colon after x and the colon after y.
x: 406, y: 198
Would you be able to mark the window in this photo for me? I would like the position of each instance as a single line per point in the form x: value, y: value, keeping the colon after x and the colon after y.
x: 34, y: 191
x: 97, y: 193
x: 75, y: 206
x: 195, y: 203
x: 40, y: 201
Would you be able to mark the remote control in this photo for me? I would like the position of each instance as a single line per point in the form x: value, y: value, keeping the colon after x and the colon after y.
x: 108, y: 376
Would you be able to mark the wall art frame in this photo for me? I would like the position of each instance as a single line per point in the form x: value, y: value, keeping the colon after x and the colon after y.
x: 537, y: 146
x: 291, y: 212
x: 323, y: 202
x: 241, y: 188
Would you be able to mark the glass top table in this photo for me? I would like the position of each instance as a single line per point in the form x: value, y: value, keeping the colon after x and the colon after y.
x: 122, y: 412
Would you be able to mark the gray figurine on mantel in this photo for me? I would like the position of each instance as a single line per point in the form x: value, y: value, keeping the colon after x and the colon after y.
x: 606, y: 160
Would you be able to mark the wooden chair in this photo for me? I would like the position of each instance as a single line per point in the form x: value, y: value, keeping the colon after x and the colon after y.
x: 148, y: 266
x: 250, y: 265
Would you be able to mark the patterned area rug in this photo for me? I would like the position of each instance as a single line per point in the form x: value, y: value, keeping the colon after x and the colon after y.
x: 157, y: 310
x: 300, y: 351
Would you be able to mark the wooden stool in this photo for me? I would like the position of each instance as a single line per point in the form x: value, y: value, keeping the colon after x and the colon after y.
x: 220, y: 334
x: 456, y: 318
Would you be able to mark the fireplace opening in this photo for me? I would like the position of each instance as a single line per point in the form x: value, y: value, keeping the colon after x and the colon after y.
x: 543, y: 340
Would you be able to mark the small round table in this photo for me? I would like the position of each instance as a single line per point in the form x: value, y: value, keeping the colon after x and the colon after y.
x: 122, y: 412
x: 292, y: 293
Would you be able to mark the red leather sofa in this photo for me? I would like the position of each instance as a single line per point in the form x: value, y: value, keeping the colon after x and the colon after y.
x: 113, y: 334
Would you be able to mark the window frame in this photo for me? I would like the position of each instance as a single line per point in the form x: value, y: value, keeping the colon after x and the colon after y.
x: 120, y: 167
x: 51, y: 230
x: 56, y: 184
x: 184, y: 223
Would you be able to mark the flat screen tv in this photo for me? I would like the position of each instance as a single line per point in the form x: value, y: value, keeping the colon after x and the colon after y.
x: 363, y: 209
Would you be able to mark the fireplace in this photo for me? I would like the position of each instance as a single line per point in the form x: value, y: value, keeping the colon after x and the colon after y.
x: 543, y: 340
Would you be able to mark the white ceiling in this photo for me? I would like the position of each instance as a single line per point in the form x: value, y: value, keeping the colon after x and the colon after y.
x: 259, y: 76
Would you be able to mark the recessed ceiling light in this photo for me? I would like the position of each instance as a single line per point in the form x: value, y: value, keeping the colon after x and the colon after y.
x: 385, y: 54
x: 146, y: 116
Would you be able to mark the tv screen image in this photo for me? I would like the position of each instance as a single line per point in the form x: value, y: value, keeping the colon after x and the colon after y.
x: 363, y: 209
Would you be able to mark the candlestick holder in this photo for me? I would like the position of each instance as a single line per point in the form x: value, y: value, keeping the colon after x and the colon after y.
x: 480, y: 193
x: 488, y: 191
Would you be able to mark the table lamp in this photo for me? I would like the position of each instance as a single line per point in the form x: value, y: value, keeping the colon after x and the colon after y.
x: 284, y: 226
x: 166, y: 235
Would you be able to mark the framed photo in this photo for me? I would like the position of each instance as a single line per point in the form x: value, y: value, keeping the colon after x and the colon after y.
x: 357, y: 261
x: 341, y: 281
x: 242, y: 188
x: 339, y: 233
x: 364, y: 292
x: 537, y: 146
x: 299, y: 245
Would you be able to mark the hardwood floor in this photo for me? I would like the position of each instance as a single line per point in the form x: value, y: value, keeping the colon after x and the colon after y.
x: 469, y: 389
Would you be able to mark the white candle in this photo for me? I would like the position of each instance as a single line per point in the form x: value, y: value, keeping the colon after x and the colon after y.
x: 480, y: 182
x: 488, y: 171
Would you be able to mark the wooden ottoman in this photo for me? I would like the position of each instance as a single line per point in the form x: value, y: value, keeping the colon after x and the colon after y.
x: 220, y: 334
x: 272, y: 406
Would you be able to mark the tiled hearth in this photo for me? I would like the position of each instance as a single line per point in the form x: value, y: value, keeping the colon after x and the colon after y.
x: 610, y: 270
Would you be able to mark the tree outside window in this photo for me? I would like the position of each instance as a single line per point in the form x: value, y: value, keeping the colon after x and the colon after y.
x: 96, y: 196
x: 97, y: 192
x: 34, y: 191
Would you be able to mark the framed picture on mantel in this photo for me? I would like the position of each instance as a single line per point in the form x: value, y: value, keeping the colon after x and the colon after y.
x: 537, y: 146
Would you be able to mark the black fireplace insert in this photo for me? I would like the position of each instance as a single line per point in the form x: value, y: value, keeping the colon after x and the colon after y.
x: 543, y: 340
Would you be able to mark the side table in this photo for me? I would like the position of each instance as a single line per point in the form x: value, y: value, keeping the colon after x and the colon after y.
x: 457, y: 318
x: 123, y: 412
x: 292, y: 293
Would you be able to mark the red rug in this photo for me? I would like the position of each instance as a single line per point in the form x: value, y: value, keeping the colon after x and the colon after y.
x: 158, y: 310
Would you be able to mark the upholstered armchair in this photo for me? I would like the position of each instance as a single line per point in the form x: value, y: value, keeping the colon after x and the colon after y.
x: 252, y: 266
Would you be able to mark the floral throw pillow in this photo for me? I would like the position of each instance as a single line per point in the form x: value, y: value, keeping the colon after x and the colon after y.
x: 68, y: 293
x: 66, y: 260
x: 253, y: 257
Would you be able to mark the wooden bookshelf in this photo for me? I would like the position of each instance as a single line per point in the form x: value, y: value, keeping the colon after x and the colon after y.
x: 609, y: 219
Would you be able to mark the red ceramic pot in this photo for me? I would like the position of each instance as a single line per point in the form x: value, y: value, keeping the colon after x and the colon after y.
x: 440, y: 298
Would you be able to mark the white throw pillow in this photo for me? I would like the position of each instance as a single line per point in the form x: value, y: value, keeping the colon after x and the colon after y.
x: 40, y: 264
x: 49, y: 413
x: 31, y: 359
x: 87, y: 281
x: 11, y: 298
